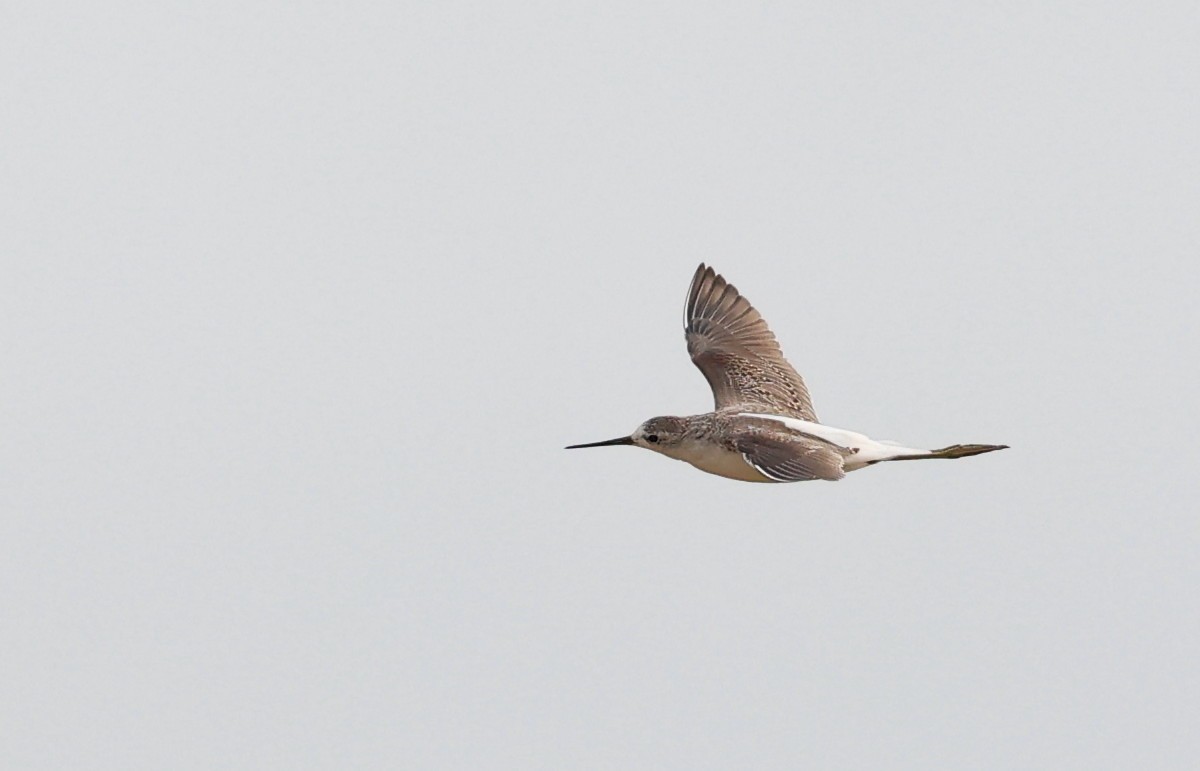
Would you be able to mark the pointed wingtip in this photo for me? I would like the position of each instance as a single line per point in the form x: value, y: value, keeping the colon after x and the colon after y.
x: 704, y: 269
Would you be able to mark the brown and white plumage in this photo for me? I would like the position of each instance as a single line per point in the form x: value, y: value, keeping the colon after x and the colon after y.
x: 730, y: 342
x: 763, y: 428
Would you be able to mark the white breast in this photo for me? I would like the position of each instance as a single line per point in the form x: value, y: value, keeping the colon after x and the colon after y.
x: 715, y: 459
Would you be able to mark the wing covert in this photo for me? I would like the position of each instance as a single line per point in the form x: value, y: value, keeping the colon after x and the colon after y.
x: 791, y: 460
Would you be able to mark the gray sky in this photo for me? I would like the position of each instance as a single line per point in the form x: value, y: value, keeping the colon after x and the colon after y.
x: 302, y: 301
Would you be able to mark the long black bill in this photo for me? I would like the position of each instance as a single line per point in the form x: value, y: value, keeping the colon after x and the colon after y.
x: 622, y: 440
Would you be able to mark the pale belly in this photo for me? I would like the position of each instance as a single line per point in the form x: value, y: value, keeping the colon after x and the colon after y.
x: 717, y: 460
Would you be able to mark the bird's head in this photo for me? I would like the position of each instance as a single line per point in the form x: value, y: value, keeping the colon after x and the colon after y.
x: 660, y: 434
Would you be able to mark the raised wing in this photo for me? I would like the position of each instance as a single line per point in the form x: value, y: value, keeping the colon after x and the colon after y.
x: 731, y: 344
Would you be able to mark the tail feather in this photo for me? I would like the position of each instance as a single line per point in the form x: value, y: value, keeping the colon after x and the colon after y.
x: 953, y: 451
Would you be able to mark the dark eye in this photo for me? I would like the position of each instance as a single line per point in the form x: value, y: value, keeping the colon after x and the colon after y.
x: 652, y: 438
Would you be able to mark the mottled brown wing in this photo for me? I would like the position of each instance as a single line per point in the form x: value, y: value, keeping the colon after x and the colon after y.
x: 790, y: 460
x: 730, y: 343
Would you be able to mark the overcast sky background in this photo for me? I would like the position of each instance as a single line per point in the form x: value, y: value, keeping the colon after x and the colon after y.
x: 302, y: 301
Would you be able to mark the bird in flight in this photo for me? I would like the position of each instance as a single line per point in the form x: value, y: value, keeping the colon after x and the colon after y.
x: 763, y: 427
